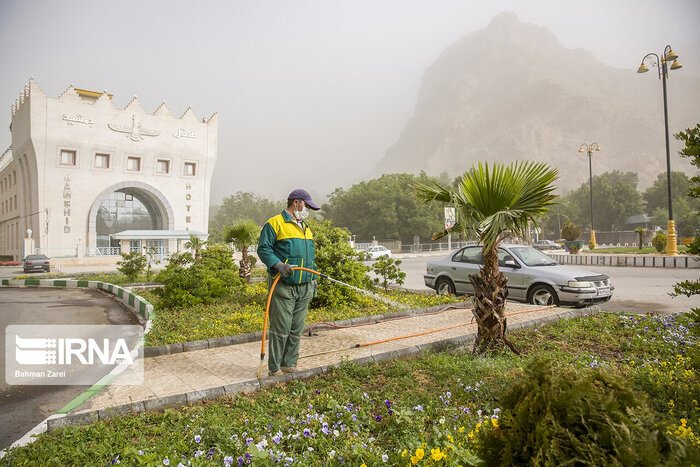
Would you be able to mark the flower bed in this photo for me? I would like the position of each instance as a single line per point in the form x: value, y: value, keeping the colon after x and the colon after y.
x: 435, y: 410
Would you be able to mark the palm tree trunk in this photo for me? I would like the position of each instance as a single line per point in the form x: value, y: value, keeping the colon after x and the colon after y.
x: 244, y: 271
x: 490, y: 294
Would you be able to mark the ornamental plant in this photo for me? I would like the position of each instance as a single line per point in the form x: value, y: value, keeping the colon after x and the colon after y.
x: 132, y: 264
x: 187, y: 281
x: 564, y: 416
x: 570, y: 232
x: 659, y: 241
x: 388, y: 272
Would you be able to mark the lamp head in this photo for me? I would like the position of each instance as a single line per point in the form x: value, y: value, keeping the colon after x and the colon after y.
x: 580, y: 149
x: 676, y: 65
x: 597, y: 147
x: 642, y: 68
x: 671, y: 55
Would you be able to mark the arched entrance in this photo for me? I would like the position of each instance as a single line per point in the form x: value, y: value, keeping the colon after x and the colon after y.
x: 126, y: 206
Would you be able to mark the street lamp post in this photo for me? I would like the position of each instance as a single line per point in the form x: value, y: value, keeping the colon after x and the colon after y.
x: 660, y: 64
x: 589, y: 148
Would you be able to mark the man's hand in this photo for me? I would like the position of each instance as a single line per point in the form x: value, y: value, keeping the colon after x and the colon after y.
x: 283, y: 268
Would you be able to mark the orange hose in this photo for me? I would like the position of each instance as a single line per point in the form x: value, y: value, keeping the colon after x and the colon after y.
x: 365, y: 344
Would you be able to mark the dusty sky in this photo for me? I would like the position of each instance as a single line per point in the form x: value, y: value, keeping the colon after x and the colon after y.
x: 309, y: 93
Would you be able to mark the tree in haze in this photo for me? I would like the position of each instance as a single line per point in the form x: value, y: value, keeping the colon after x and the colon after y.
x: 242, y: 205
x: 684, y: 206
x: 615, y: 197
x: 494, y: 203
x: 384, y: 208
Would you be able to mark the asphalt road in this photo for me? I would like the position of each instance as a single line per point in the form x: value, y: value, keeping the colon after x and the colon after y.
x: 23, y: 407
x: 637, y: 290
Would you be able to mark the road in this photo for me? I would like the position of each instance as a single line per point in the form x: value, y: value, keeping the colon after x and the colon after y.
x: 23, y: 407
x: 637, y: 290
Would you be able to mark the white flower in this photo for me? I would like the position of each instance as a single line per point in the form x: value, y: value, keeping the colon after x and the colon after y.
x: 331, y: 454
x: 385, y: 458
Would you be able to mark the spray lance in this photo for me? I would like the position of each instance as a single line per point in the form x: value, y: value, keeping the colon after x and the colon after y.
x: 324, y: 276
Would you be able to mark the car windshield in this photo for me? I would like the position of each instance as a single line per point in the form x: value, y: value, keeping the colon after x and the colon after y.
x: 35, y: 257
x: 532, y: 257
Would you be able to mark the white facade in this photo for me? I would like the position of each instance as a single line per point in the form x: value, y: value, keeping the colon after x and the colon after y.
x: 81, y: 170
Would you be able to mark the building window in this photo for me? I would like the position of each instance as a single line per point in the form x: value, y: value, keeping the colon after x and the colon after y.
x: 163, y: 166
x: 133, y: 164
x: 191, y: 169
x: 102, y: 161
x: 15, y: 201
x: 68, y: 157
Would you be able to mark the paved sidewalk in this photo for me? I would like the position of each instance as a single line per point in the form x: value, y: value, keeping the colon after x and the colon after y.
x: 182, y: 378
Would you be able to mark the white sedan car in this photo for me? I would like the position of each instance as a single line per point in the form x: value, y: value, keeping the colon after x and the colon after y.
x: 533, y: 276
x: 376, y: 252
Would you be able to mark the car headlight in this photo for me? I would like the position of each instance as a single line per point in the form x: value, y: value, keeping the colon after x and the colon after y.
x: 580, y: 284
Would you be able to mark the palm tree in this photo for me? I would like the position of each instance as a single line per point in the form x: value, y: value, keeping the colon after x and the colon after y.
x: 494, y: 203
x: 243, y: 234
x: 640, y: 231
x: 195, y: 244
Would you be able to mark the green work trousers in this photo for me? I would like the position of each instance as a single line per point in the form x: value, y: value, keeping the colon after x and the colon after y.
x: 287, y: 316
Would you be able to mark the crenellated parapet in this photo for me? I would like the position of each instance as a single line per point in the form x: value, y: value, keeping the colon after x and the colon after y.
x: 74, y: 95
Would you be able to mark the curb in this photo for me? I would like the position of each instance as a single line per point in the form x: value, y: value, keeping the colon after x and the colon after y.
x: 168, y: 349
x: 451, y: 344
x: 649, y: 261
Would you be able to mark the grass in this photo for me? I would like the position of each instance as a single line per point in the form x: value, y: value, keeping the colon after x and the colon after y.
x: 245, y: 310
x: 423, y: 411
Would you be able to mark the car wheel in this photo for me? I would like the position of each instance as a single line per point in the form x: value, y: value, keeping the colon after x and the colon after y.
x: 543, y: 295
x: 444, y: 286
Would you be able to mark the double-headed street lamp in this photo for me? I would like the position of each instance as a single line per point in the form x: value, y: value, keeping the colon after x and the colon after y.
x: 660, y: 64
x: 589, y: 148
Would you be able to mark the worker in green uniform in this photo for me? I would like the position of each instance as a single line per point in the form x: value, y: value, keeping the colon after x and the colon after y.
x: 286, y: 241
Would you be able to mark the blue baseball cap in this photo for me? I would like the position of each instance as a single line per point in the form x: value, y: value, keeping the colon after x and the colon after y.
x: 304, y: 196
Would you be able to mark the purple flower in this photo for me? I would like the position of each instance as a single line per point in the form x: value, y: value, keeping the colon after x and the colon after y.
x: 388, y: 403
x: 378, y: 418
x: 307, y: 432
x: 197, y: 438
x: 385, y: 458
x: 418, y: 408
x: 166, y: 461
x: 228, y: 460
x: 198, y: 453
x: 240, y: 461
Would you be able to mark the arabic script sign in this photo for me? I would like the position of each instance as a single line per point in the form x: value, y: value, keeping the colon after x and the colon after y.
x: 181, y: 133
x: 78, y: 118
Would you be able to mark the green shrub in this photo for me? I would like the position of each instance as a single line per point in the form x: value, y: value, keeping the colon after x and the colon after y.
x: 659, y: 242
x: 388, y: 272
x: 569, y: 231
x: 336, y: 258
x: 576, y: 417
x: 132, y: 264
x: 187, y: 282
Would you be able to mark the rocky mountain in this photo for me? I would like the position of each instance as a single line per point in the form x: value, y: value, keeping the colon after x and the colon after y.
x: 511, y: 91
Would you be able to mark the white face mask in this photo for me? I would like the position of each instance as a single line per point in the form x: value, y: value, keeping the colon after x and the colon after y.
x: 303, y: 214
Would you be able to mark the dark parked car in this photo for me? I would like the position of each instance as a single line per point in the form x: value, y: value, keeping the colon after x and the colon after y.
x: 546, y: 245
x: 533, y: 276
x: 36, y: 262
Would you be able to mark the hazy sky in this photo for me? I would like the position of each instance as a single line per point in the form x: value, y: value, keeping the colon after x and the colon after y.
x: 309, y: 93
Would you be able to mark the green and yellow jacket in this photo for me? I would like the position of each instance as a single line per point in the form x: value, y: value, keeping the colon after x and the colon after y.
x: 282, y: 239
